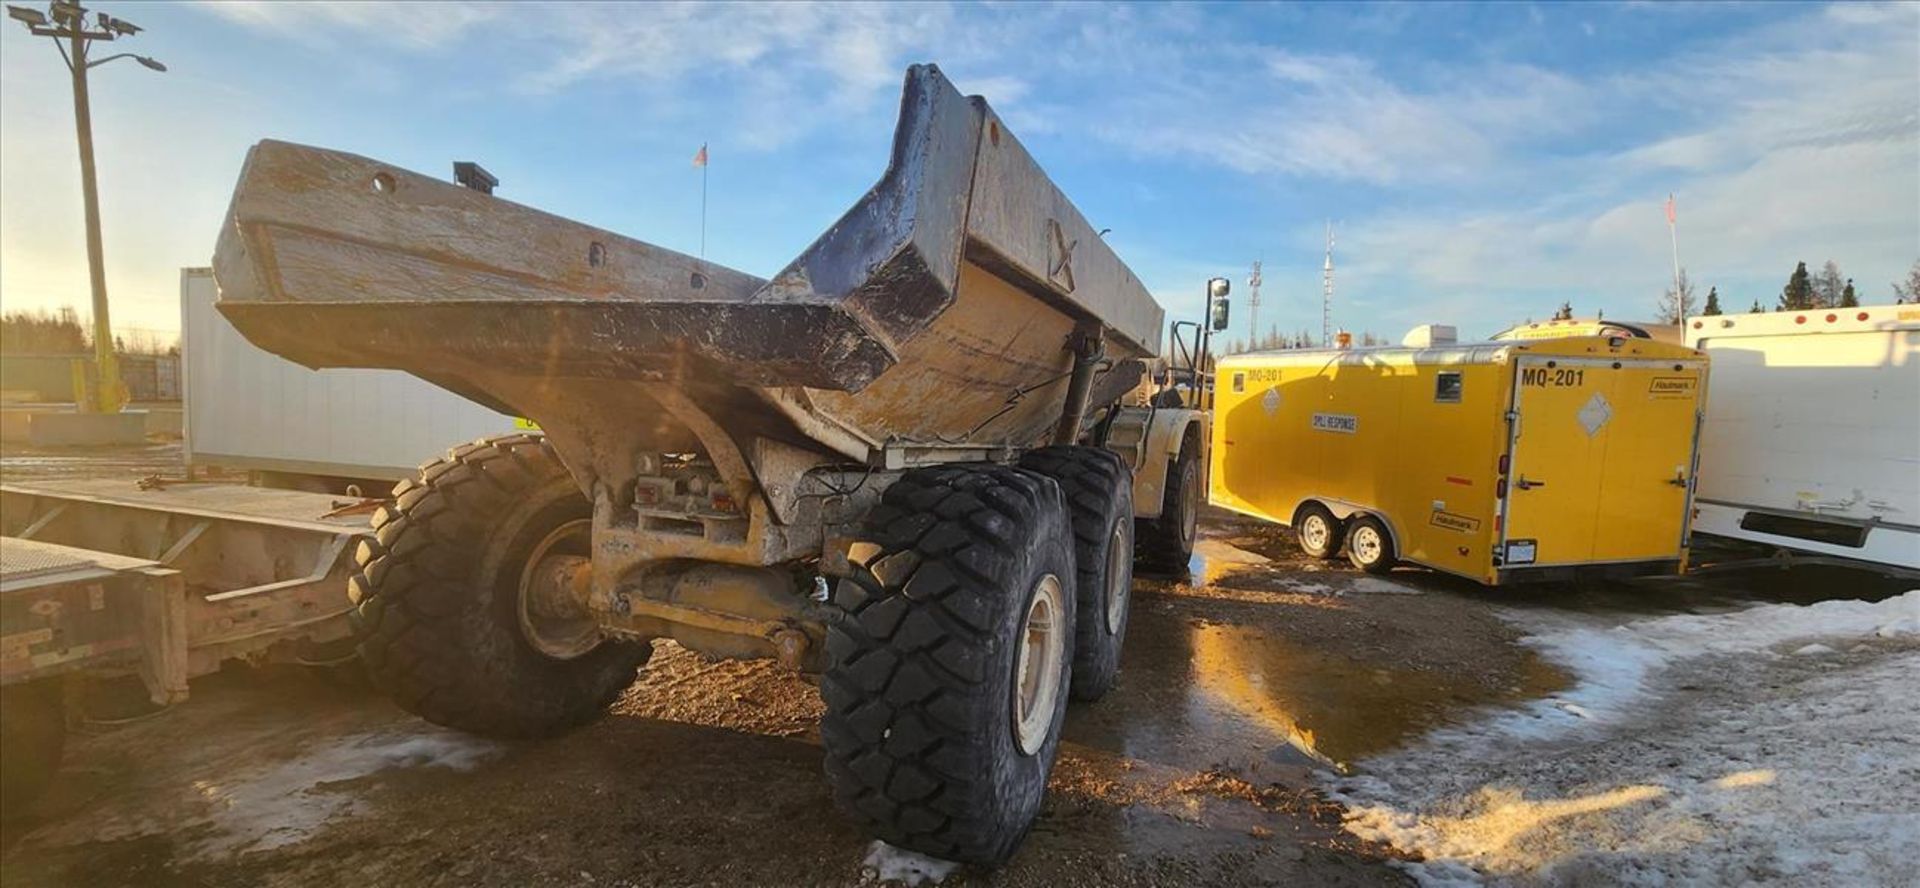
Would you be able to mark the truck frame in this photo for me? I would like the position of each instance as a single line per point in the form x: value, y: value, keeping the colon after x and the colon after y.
x: 906, y: 462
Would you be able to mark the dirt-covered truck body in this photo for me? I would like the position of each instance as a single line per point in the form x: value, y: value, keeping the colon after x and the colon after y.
x: 924, y: 407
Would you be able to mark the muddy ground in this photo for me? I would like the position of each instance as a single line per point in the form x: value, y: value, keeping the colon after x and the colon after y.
x: 1246, y: 684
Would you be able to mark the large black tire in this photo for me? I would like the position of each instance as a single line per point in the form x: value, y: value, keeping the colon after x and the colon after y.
x: 924, y: 748
x: 437, y: 596
x: 1166, y: 542
x: 33, y: 735
x: 1099, y: 492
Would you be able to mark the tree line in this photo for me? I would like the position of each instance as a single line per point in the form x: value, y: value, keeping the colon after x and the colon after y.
x: 60, y: 332
x: 1805, y: 290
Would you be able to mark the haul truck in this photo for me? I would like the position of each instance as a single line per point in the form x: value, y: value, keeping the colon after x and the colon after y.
x: 1502, y: 462
x: 902, y: 462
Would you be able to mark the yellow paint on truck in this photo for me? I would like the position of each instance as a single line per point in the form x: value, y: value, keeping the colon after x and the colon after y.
x: 1493, y: 461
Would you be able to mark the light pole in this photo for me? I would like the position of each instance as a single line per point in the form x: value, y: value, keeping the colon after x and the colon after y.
x: 66, y: 21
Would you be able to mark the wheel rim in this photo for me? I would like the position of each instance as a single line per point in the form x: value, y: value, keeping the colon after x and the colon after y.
x: 1037, y: 676
x: 1366, y: 544
x: 552, y: 618
x: 1119, y: 575
x: 1315, y: 533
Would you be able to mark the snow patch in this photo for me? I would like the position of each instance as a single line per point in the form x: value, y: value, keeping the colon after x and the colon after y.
x: 1746, y: 765
x: 1377, y: 586
x: 889, y: 863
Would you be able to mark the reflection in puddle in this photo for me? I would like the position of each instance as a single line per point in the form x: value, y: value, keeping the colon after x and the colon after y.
x: 1331, y: 708
x: 1213, y: 559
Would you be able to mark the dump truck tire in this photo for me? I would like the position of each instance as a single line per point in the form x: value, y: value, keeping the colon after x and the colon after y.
x: 1166, y: 542
x: 1099, y: 493
x: 1318, y: 532
x: 1369, y: 546
x: 437, y: 596
x: 33, y: 735
x: 948, y: 676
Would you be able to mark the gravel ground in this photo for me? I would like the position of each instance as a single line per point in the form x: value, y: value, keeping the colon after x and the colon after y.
x: 1251, y: 689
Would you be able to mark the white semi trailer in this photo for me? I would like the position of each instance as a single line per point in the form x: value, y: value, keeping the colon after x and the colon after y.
x: 1812, y: 431
x: 292, y: 426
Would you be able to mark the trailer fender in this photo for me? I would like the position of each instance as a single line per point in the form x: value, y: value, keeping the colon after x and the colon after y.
x: 1346, y: 511
x: 1169, y: 431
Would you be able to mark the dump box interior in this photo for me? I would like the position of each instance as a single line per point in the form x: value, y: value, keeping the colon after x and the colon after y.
x: 933, y: 313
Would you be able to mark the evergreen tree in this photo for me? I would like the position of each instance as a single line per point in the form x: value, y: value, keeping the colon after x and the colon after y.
x: 1797, y: 295
x: 1757, y: 307
x: 1565, y: 313
x: 1713, y: 302
x: 1848, y: 298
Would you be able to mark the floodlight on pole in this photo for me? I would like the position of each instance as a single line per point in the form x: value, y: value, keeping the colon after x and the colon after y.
x: 71, y: 36
x: 33, y: 18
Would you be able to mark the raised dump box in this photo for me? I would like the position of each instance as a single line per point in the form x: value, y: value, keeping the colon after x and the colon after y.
x: 925, y: 405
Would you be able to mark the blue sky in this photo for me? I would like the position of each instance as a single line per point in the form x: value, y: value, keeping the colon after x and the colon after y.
x: 1481, y: 162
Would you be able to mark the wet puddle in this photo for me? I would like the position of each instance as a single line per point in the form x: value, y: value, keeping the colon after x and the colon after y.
x: 1254, y: 662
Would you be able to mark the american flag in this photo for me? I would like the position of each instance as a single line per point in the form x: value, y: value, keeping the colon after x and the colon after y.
x: 700, y: 159
x: 1670, y: 213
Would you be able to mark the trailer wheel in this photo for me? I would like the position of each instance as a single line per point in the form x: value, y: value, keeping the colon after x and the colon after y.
x: 1166, y: 542
x: 33, y: 735
x: 947, y: 677
x: 1317, y: 531
x: 1099, y: 494
x: 455, y: 614
x: 1369, y: 546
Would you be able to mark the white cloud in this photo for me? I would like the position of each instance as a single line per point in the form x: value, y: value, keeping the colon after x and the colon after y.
x: 414, y: 25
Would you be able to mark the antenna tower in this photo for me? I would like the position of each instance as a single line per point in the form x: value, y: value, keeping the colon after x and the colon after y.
x: 1253, y: 303
x: 1326, y: 293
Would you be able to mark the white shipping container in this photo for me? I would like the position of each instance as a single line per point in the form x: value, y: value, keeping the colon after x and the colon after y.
x: 1812, y: 431
x: 249, y: 409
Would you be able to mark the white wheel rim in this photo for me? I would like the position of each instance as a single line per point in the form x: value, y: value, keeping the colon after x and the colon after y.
x: 554, y: 624
x: 1314, y: 532
x: 1366, y: 544
x: 1037, y: 668
x: 1119, y: 575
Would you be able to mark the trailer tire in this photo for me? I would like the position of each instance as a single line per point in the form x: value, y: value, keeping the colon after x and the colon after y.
x: 438, y: 593
x: 1099, y: 494
x: 1318, y: 532
x: 33, y: 736
x: 1166, y: 542
x: 949, y: 670
x: 1369, y: 546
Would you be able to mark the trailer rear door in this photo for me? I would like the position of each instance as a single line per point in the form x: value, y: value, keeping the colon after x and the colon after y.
x: 1563, y: 420
x: 1649, y: 468
x: 1602, y: 460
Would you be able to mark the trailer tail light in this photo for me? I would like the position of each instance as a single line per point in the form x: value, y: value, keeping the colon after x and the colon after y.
x: 1799, y: 319
x: 1860, y: 317
x: 1506, y: 461
x: 1831, y: 317
x: 1500, y: 489
x: 722, y: 501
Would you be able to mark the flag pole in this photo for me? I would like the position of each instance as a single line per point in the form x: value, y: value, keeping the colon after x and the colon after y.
x: 1673, y: 233
x: 703, y: 202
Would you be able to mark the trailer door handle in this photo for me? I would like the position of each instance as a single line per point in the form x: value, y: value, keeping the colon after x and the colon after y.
x: 1524, y: 484
x: 1678, y: 480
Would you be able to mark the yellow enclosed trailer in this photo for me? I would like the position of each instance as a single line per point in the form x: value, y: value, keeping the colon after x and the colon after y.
x: 1499, y: 461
